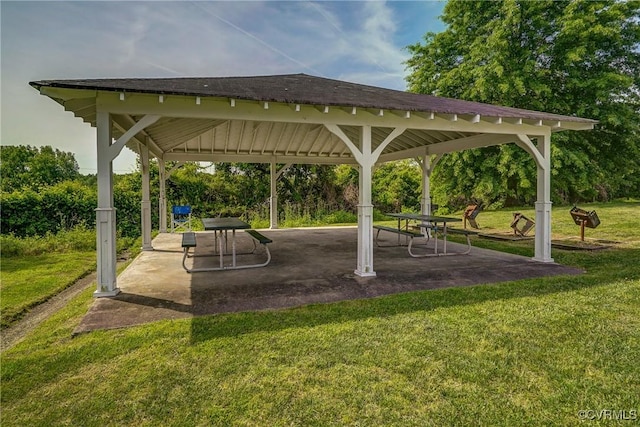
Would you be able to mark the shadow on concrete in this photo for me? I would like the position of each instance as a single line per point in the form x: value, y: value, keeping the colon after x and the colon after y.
x: 309, y: 266
x: 154, y: 302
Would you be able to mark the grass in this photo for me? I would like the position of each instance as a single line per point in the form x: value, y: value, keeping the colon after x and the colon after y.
x: 619, y: 221
x: 32, y: 279
x: 34, y: 269
x: 619, y: 225
x: 531, y: 352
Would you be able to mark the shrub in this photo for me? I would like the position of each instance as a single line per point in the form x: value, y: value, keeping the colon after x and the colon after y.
x: 77, y: 239
x: 59, y: 207
x: 340, y: 217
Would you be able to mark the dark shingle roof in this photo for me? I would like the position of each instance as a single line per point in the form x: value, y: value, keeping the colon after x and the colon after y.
x: 303, y: 89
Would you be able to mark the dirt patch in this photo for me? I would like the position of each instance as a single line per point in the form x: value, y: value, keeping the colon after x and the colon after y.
x: 579, y: 245
x: 16, y: 332
x: 38, y: 314
x: 505, y: 236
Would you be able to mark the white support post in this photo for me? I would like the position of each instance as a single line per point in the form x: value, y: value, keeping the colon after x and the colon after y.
x: 366, y: 159
x: 425, y: 201
x: 543, y: 203
x: 107, y: 151
x: 365, y: 207
x: 273, y: 207
x: 162, y: 199
x: 427, y: 164
x: 145, y: 204
x: 105, y: 213
x: 275, y: 176
x: 542, y: 156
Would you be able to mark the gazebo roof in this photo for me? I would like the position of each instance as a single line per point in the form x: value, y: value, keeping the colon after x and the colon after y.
x: 304, y: 89
x: 284, y: 116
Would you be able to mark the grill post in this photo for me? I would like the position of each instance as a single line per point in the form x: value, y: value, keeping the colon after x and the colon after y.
x: 584, y: 219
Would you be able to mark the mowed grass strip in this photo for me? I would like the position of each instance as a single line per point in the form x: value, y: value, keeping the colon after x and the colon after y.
x: 531, y: 352
x: 31, y: 279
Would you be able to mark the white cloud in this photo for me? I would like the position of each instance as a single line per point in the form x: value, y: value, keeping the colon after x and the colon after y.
x: 354, y: 41
x: 377, y: 38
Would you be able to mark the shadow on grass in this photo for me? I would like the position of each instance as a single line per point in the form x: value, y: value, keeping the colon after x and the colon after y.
x: 154, y: 302
x: 615, y: 265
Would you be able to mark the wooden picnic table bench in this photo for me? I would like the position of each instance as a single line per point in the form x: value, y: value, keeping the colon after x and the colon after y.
x: 411, y: 234
x: 465, y: 233
x: 259, y: 237
x: 189, y: 241
x: 408, y: 233
x: 426, y: 225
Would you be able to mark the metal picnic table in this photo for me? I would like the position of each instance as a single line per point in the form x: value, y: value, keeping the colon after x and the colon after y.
x: 222, y: 226
x: 426, y: 223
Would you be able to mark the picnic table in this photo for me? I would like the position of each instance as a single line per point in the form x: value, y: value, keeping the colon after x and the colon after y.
x: 221, y: 228
x: 426, y: 224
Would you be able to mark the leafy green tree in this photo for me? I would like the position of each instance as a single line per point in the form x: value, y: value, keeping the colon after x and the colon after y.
x: 32, y: 167
x: 246, y: 186
x: 568, y: 57
x: 397, y: 186
x: 188, y: 185
x: 347, y: 181
x: 309, y: 183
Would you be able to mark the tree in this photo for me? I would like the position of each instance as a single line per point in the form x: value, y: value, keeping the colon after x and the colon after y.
x: 566, y: 57
x: 397, y: 186
x: 31, y: 167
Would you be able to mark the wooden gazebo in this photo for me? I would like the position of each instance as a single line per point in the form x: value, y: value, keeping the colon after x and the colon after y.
x: 287, y: 119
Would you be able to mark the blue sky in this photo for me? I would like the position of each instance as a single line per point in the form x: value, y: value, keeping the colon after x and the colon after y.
x: 360, y: 41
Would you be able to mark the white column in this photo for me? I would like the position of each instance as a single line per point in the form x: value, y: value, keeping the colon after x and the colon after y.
x: 162, y: 199
x: 365, y: 207
x: 145, y: 204
x: 366, y: 159
x: 105, y: 213
x: 427, y: 163
x: 273, y: 201
x: 543, y: 203
x: 273, y: 205
x: 425, y: 201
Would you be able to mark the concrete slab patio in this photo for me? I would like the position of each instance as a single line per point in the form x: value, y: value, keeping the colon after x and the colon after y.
x: 311, y: 265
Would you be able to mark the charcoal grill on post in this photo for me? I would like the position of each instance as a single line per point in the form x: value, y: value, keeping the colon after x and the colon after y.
x: 470, y: 214
x: 521, y: 224
x: 584, y: 219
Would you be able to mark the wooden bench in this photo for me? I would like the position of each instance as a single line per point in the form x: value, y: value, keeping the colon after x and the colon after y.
x: 400, y: 232
x: 189, y: 241
x: 259, y: 237
x: 465, y: 233
x: 395, y: 230
x: 451, y: 230
x: 264, y: 241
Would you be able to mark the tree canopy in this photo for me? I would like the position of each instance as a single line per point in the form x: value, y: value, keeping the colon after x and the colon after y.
x: 32, y: 167
x: 566, y: 57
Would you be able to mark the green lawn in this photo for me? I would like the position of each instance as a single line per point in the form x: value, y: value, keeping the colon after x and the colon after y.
x: 32, y: 279
x: 619, y: 221
x: 531, y: 352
